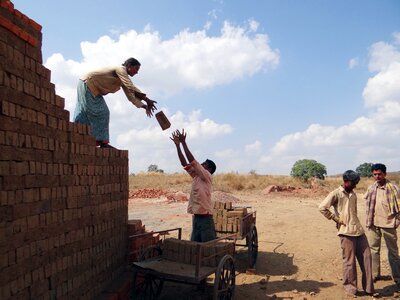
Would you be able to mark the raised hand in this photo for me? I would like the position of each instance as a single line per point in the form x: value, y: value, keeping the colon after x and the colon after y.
x: 181, y: 136
x: 175, y: 137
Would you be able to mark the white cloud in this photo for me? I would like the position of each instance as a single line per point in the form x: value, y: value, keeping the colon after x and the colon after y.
x: 189, y: 60
x: 396, y: 38
x: 207, y: 26
x: 213, y: 14
x: 371, y: 138
x: 353, y: 63
x: 226, y: 154
x: 150, y: 144
x: 253, y: 25
x: 382, y: 55
x: 385, y: 85
x: 253, y: 148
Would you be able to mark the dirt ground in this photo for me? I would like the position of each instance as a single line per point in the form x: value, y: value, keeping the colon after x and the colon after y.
x: 299, y: 253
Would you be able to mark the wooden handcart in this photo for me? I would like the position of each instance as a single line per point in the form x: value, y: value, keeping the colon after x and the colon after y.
x: 176, y: 260
x: 239, y: 222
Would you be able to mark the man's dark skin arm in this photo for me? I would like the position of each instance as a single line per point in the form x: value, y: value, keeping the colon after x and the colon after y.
x: 175, y: 139
x: 182, y: 139
x: 150, y: 106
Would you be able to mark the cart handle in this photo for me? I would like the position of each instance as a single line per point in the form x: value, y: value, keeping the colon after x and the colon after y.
x: 253, y: 213
x: 161, y: 232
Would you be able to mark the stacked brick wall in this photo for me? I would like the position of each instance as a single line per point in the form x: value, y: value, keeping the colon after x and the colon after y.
x: 63, y: 202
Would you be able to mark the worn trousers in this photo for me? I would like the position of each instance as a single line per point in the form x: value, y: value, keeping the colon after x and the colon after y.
x: 356, y: 247
x: 203, y: 229
x: 375, y: 235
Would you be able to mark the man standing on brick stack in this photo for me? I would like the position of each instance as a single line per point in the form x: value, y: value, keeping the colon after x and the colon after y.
x: 383, y: 218
x: 203, y: 229
x: 91, y: 109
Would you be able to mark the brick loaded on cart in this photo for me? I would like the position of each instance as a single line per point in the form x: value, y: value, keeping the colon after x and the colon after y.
x: 177, y: 260
x: 239, y: 222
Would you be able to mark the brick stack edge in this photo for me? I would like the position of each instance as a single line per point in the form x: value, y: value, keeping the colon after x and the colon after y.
x: 139, y: 240
x: 63, y: 202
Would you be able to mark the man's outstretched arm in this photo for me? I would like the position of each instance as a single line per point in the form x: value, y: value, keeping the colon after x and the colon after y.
x: 182, y: 139
x: 175, y: 139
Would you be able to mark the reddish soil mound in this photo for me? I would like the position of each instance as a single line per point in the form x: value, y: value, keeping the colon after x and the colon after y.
x: 286, y: 190
x: 278, y: 188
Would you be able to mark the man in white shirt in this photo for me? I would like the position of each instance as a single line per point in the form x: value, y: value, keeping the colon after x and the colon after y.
x: 203, y: 229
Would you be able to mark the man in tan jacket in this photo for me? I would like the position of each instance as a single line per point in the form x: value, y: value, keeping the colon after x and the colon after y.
x: 91, y: 109
x: 351, y: 233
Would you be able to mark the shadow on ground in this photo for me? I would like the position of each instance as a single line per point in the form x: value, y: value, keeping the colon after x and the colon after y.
x: 248, y: 287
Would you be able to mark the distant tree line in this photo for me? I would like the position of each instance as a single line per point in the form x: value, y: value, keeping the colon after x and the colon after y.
x: 154, y: 168
x: 305, y: 169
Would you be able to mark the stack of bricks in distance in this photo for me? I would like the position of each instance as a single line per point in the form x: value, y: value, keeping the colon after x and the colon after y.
x: 228, y: 219
x: 63, y: 202
x: 143, y: 240
x: 187, y: 251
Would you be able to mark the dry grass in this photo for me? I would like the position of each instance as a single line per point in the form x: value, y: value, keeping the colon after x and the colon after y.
x: 231, y: 182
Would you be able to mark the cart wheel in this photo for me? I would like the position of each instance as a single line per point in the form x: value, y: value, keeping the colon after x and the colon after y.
x: 252, y: 244
x: 146, y: 287
x: 149, y: 252
x: 224, y: 284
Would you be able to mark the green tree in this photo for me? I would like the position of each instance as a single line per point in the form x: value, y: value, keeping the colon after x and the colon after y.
x: 364, y: 169
x: 308, y: 168
x: 154, y: 168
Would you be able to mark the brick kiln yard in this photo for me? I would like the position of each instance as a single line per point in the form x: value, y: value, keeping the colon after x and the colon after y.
x: 299, y: 253
x: 63, y: 203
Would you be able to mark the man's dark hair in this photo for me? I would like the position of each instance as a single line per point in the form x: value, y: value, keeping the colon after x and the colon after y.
x: 211, y: 165
x: 352, y: 176
x: 380, y: 167
x: 131, y: 62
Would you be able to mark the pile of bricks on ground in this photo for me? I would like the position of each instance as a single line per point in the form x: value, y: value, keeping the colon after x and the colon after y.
x: 147, y: 193
x: 63, y: 202
x: 188, y: 252
x: 229, y: 219
x: 139, y: 240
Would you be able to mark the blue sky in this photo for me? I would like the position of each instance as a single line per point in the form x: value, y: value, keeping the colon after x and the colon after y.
x: 257, y: 85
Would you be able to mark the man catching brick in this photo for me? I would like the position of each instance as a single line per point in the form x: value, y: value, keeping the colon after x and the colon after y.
x: 199, y: 205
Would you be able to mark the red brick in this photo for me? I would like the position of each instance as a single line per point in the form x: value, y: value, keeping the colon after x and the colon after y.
x: 5, y: 291
x: 12, y: 182
x: 5, y: 108
x: 19, y: 168
x: 20, y: 84
x: 11, y: 257
x: 35, y: 25
x: 3, y: 198
x: 38, y: 274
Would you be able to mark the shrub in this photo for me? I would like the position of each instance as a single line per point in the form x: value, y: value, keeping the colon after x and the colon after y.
x: 154, y: 168
x: 308, y: 168
x: 364, y: 170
